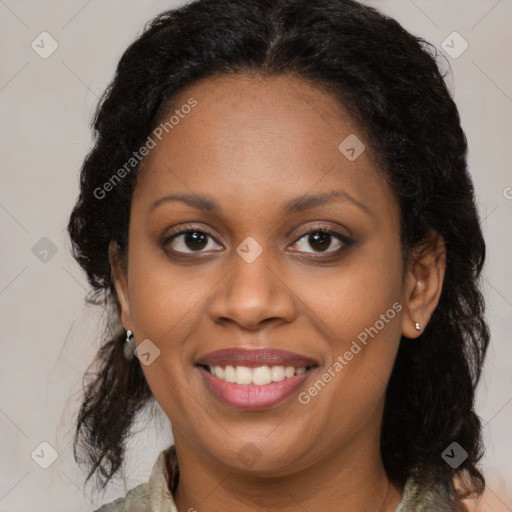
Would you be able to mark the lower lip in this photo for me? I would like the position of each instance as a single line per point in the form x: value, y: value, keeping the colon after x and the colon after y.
x: 251, y: 396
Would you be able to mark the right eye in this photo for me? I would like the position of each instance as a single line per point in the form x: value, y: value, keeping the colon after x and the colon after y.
x: 189, y: 240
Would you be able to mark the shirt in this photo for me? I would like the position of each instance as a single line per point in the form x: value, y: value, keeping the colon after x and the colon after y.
x: 420, y: 494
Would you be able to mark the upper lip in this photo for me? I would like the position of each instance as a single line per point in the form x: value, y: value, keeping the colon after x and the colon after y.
x: 264, y: 356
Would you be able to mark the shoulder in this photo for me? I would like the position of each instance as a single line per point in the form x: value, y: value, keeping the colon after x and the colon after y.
x: 155, y: 494
x: 492, y: 500
x: 496, y: 496
x: 136, y: 500
x: 424, y: 491
x: 423, y: 494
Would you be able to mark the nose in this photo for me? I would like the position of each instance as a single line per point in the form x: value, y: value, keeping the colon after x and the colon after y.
x: 253, y: 295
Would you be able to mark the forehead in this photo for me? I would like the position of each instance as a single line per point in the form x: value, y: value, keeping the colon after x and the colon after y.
x: 252, y: 136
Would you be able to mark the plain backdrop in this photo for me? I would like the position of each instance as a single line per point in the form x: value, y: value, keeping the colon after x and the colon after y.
x: 48, y: 335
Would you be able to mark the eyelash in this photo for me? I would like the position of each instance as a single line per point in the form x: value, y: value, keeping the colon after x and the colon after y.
x: 344, y: 240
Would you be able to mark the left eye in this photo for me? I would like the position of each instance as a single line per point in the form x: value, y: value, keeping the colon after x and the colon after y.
x: 321, y: 240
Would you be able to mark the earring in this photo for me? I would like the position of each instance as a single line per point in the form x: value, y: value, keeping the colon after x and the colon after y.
x: 129, y: 345
x: 418, y: 326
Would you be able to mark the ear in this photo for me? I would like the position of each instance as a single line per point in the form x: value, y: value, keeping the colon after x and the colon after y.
x: 120, y: 277
x: 423, y: 283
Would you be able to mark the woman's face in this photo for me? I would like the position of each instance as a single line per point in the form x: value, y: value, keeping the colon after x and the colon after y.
x: 258, y: 163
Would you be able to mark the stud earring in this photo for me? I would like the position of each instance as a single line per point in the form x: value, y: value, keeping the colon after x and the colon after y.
x: 129, y: 345
x: 418, y: 326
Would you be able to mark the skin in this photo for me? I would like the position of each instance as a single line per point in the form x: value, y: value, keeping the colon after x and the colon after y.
x: 251, y: 144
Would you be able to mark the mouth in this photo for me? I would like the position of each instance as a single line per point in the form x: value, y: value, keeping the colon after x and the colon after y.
x: 254, y: 379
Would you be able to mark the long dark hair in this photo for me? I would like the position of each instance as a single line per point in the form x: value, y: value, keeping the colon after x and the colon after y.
x: 389, y: 80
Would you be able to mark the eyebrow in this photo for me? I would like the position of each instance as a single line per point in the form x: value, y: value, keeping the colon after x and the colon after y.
x: 295, y: 205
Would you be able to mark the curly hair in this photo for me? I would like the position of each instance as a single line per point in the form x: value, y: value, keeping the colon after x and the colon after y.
x: 390, y: 82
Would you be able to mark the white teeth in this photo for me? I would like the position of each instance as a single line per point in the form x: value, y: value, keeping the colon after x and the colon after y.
x: 243, y: 375
x: 219, y: 372
x: 259, y: 376
x: 229, y: 374
x: 289, y: 371
x: 277, y: 373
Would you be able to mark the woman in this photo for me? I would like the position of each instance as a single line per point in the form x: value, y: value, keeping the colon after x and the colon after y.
x: 279, y: 209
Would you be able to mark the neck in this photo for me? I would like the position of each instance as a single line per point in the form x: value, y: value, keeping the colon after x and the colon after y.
x: 354, y: 482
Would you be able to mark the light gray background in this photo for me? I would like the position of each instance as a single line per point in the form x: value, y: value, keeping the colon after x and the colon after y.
x: 48, y: 336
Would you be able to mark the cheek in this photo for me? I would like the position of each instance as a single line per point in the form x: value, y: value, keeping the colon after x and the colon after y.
x: 358, y: 310
x: 351, y: 300
x: 163, y: 296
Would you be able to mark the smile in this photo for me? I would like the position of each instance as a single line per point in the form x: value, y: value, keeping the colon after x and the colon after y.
x: 254, y: 379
